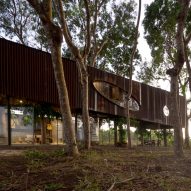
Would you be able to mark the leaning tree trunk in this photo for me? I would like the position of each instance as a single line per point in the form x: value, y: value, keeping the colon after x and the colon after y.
x: 63, y: 96
x: 174, y: 113
x: 55, y: 38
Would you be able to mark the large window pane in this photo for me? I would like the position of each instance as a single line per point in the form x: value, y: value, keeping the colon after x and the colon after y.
x: 3, y: 126
x: 22, y: 125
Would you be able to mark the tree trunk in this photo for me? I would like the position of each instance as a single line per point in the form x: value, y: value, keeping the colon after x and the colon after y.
x: 85, y: 110
x: 128, y: 126
x: 174, y: 72
x: 130, y: 77
x: 71, y: 146
x: 187, y: 144
x: 174, y: 112
x: 55, y: 38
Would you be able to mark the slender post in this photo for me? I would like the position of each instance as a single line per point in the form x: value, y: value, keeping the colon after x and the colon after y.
x: 115, y: 133
x: 57, y: 128
x: 109, y: 132
x: 9, y: 120
x: 165, y: 137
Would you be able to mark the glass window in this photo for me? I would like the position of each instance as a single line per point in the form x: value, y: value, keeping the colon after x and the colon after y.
x: 21, y: 125
x: 115, y: 95
x: 3, y: 126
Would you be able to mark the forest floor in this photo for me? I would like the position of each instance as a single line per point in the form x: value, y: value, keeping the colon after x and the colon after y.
x: 103, y: 168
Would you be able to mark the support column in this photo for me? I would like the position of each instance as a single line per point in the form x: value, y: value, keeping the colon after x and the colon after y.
x: 9, y: 120
x: 109, y: 132
x: 115, y: 133
x: 165, y: 137
x: 43, y: 131
x: 158, y: 140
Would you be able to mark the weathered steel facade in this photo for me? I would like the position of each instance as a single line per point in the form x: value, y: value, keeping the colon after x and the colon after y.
x: 27, y: 73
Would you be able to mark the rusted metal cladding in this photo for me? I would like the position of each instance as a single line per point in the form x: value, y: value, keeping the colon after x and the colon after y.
x: 27, y: 73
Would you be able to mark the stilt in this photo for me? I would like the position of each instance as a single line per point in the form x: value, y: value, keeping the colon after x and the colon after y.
x: 115, y: 133
x: 165, y: 137
x: 9, y: 120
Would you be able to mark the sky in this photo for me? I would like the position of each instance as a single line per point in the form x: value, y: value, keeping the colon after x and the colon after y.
x: 142, y: 44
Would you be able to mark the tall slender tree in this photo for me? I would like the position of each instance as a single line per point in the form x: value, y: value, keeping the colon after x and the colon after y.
x: 55, y: 38
x: 93, y: 28
x: 174, y: 72
x: 165, y: 23
x: 130, y: 77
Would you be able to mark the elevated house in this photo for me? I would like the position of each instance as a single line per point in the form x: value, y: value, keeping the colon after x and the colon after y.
x: 27, y: 80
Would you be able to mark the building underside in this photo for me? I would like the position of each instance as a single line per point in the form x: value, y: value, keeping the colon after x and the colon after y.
x: 29, y: 98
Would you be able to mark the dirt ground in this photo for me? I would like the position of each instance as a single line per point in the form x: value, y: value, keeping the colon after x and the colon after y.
x: 103, y: 168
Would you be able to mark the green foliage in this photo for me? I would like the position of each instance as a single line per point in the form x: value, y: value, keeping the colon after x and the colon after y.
x: 160, y: 31
x: 122, y: 135
x: 142, y: 132
x: 34, y: 154
x: 118, y: 50
x: 58, y: 153
x: 19, y: 21
x: 40, y: 110
x: 115, y: 23
x: 53, y: 186
x: 27, y: 120
x: 87, y: 183
x: 106, y: 136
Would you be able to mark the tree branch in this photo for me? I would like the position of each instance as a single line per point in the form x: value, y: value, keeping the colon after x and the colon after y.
x: 133, y: 52
x: 88, y: 29
x: 66, y: 32
x: 98, y: 50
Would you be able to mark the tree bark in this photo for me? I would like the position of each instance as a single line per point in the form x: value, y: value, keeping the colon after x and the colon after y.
x: 62, y: 92
x: 128, y: 127
x: 81, y: 59
x: 174, y: 72
x: 85, y: 111
x: 54, y: 36
x: 174, y: 112
x: 130, y: 78
x: 187, y: 144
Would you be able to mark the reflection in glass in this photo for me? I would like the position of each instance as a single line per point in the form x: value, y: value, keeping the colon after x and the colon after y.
x: 3, y: 126
x: 57, y: 132
x: 21, y: 125
x: 115, y: 95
